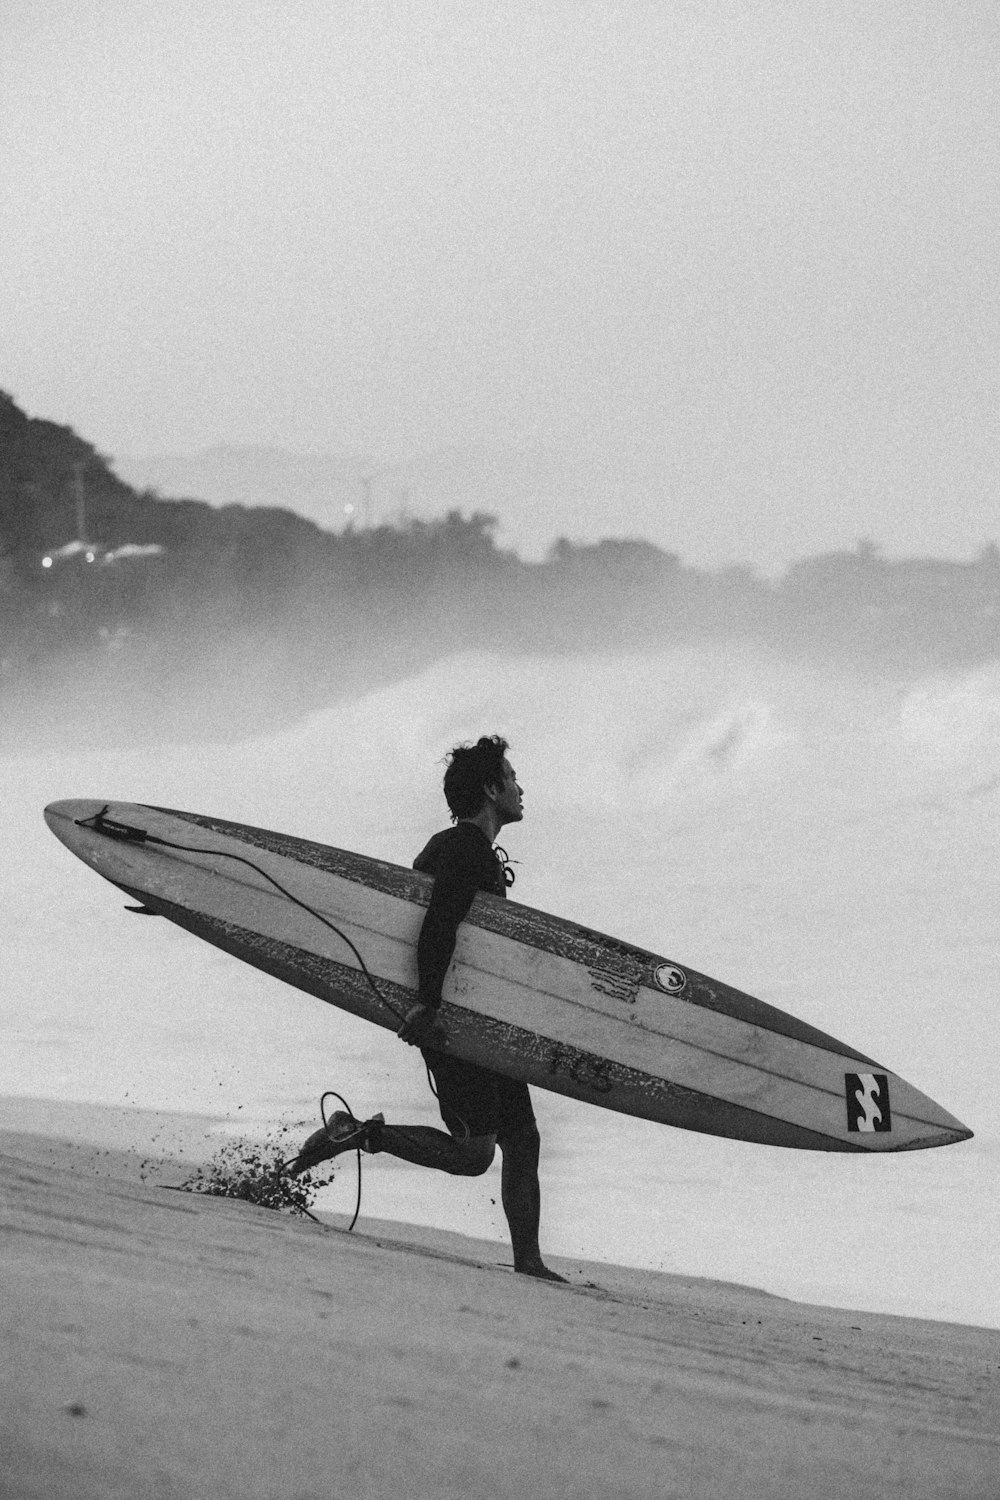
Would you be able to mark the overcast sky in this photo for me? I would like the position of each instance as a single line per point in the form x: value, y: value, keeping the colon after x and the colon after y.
x: 732, y: 264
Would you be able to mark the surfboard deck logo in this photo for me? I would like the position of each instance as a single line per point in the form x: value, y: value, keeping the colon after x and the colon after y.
x: 868, y: 1102
x: 671, y: 979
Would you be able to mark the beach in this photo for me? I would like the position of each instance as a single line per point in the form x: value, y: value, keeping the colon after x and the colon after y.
x: 176, y: 1346
x: 740, y: 1321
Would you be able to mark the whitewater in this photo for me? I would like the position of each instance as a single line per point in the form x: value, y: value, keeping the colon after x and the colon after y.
x: 821, y: 837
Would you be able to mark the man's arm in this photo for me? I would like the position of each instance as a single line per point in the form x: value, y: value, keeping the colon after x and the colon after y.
x: 455, y: 887
x: 456, y: 882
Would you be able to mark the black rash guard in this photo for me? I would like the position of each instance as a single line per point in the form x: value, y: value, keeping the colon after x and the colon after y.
x: 463, y: 862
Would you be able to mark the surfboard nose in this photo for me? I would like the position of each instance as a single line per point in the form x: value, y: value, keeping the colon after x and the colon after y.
x: 948, y: 1136
x: 927, y: 1123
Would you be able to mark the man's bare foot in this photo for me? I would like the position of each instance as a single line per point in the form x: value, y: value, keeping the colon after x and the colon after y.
x: 539, y: 1269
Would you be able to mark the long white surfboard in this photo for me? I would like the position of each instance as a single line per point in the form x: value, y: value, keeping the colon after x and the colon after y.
x: 528, y: 994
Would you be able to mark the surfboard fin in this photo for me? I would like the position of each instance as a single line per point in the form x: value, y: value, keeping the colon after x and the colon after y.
x: 142, y: 911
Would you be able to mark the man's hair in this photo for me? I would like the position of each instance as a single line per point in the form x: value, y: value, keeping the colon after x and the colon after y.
x: 471, y: 769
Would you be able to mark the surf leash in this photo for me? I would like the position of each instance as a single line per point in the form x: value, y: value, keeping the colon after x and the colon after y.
x: 129, y: 833
x: 332, y: 1093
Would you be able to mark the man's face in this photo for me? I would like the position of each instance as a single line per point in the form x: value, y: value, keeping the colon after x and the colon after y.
x: 508, y: 796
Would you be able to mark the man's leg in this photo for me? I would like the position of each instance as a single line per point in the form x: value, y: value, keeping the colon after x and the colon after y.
x: 463, y: 1156
x: 522, y: 1199
x: 426, y: 1147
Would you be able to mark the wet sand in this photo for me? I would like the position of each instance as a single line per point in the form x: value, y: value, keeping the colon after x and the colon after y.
x: 162, y: 1344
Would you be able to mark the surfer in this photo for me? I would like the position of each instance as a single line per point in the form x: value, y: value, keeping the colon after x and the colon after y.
x: 481, y: 1109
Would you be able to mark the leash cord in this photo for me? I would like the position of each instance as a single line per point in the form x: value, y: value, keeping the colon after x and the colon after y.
x: 128, y: 833
x: 326, y: 1127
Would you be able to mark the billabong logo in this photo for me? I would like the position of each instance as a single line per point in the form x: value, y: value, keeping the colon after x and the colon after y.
x: 670, y: 978
x: 867, y: 1101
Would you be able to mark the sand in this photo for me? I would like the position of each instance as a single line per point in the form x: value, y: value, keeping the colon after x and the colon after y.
x: 161, y: 1344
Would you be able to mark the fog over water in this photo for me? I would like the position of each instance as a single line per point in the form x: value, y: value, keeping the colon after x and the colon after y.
x: 821, y: 838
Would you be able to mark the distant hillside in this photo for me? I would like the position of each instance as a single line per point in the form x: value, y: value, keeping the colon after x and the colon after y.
x: 255, y: 613
x: 523, y: 487
x: 325, y: 488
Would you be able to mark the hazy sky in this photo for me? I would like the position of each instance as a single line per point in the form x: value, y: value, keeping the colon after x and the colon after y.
x: 733, y: 265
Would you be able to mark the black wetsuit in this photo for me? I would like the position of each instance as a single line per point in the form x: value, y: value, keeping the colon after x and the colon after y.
x: 473, y: 1100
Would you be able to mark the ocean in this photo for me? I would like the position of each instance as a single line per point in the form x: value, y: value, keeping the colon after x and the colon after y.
x: 820, y: 836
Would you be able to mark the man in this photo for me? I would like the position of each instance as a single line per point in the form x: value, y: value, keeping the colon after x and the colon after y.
x: 481, y: 1109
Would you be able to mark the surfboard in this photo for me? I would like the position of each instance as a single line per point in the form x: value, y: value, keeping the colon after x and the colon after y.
x: 529, y: 994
